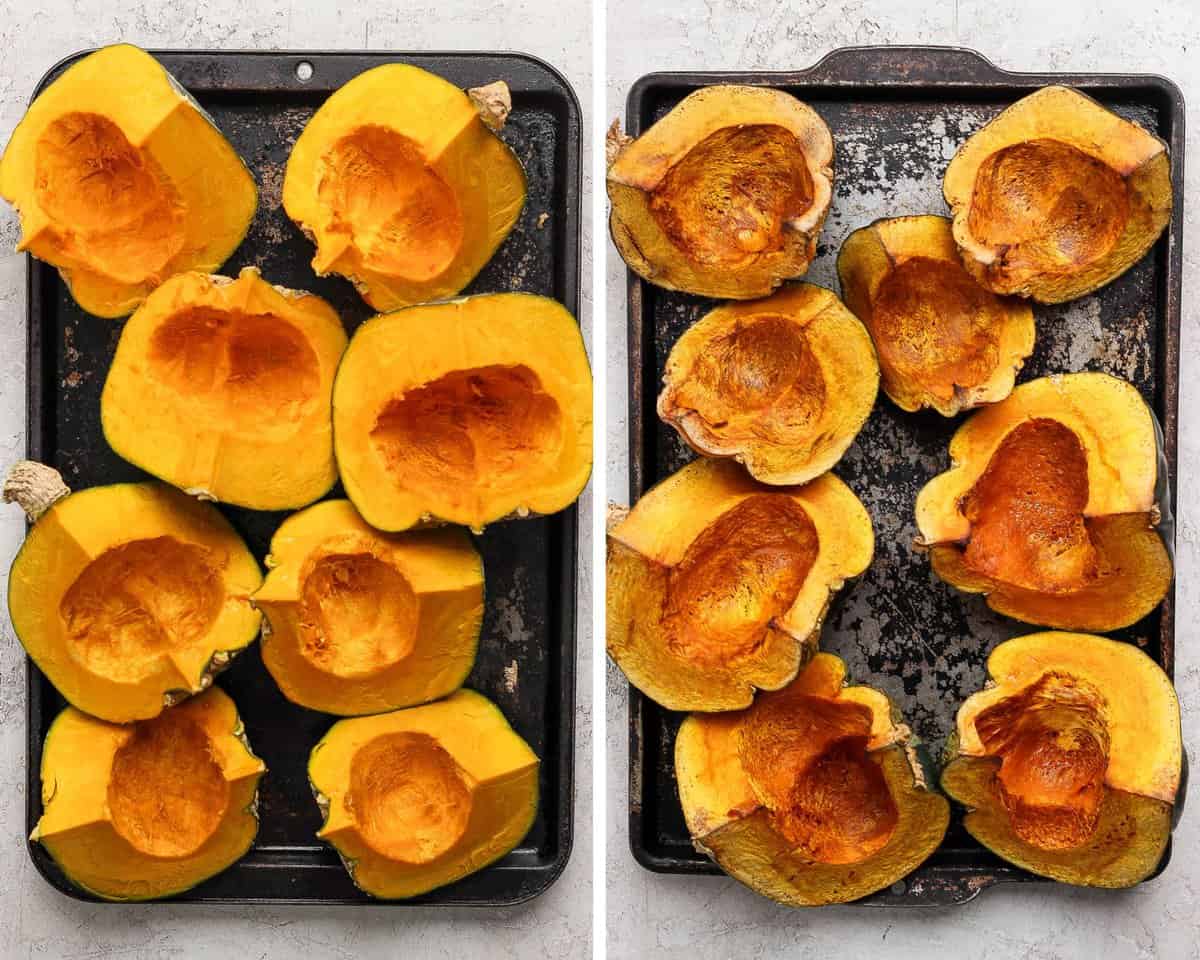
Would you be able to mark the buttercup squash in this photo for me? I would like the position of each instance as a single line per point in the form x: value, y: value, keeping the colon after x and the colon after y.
x: 1069, y: 761
x: 122, y: 181
x: 466, y: 412
x: 418, y: 798
x: 717, y: 585
x: 147, y: 810
x: 1057, y: 196
x: 813, y: 795
x: 1049, y: 506
x: 782, y: 384
x: 222, y: 388
x: 401, y: 182
x: 128, y: 597
x: 943, y: 341
x: 361, y: 621
x: 726, y: 195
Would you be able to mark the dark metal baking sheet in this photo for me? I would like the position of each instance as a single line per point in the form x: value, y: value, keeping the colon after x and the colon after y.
x: 261, y: 105
x: 897, y: 116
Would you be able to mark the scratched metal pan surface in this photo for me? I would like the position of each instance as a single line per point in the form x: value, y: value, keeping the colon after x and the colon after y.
x: 527, y: 653
x: 897, y: 115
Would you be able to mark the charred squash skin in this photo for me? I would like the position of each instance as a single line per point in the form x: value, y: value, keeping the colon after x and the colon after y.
x: 726, y: 195
x: 1057, y: 196
x: 403, y: 185
x: 121, y: 181
x: 814, y: 795
x: 943, y: 341
x: 1070, y: 759
x: 1049, y: 506
x: 717, y: 585
x: 418, y: 798
x: 149, y: 810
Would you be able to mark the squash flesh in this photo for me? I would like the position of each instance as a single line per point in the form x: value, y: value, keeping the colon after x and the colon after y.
x: 121, y: 192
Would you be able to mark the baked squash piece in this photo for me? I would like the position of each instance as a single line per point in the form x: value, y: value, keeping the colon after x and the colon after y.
x: 147, y: 810
x: 1057, y: 196
x: 418, y: 798
x: 813, y: 795
x: 1049, y: 506
x: 943, y: 341
x: 360, y: 621
x: 717, y: 585
x: 222, y: 388
x: 726, y: 195
x: 121, y: 180
x: 1069, y: 761
x: 782, y: 385
x: 128, y: 597
x: 402, y: 185
x: 468, y: 412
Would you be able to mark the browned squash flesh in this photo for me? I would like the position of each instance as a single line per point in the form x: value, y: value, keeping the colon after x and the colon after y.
x: 1057, y: 196
x: 943, y: 341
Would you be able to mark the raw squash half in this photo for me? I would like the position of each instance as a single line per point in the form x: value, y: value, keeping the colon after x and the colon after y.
x: 222, y: 388
x: 360, y: 621
x: 1069, y: 761
x: 122, y: 180
x: 147, y: 810
x: 418, y: 798
x: 128, y: 597
x: 943, y: 341
x: 717, y: 585
x: 782, y: 385
x: 403, y: 185
x: 813, y: 795
x: 467, y: 411
x: 1049, y: 507
x: 726, y: 195
x: 1057, y: 196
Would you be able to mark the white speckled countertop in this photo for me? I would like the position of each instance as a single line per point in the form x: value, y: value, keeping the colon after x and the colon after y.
x: 35, y: 920
x: 707, y: 918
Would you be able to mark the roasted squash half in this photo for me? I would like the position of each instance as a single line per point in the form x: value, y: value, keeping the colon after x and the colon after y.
x: 717, y: 585
x: 1069, y: 761
x: 128, y: 597
x: 418, y: 798
x: 782, y: 385
x: 813, y: 795
x: 222, y: 388
x: 467, y: 412
x: 1057, y: 196
x: 726, y: 195
x: 402, y: 186
x: 121, y: 181
x: 1049, y: 506
x: 148, y: 810
x: 360, y: 621
x: 943, y: 341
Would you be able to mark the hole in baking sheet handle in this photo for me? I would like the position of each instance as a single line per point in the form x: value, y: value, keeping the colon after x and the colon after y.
x: 304, y: 71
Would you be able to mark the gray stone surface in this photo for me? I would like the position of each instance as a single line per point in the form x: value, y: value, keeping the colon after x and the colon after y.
x: 36, y: 921
x: 700, y: 918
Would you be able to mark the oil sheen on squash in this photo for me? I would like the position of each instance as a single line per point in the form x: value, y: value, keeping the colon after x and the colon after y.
x: 1069, y: 764
x: 812, y: 795
x: 362, y: 621
x: 1057, y: 196
x: 1049, y: 506
x: 717, y: 584
x: 724, y: 196
x: 782, y: 385
x: 122, y: 181
x: 148, y: 810
x: 943, y: 341
x: 418, y: 798
x: 402, y: 186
